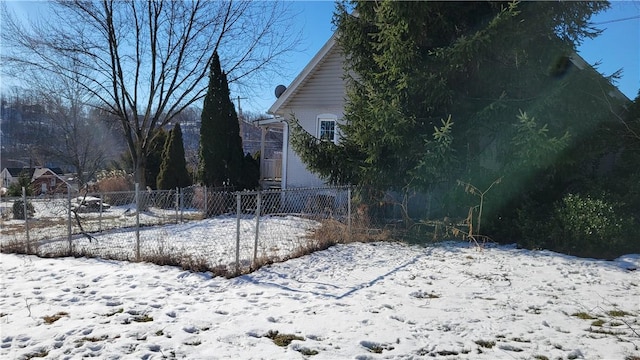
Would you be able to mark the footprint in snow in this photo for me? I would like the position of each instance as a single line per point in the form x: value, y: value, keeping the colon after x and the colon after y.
x: 190, y: 329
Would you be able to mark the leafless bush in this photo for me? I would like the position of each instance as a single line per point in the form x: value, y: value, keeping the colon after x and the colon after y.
x: 196, y: 263
x: 15, y: 246
x: 115, y: 182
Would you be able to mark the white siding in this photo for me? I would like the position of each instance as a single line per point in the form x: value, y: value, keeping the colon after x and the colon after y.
x: 325, y: 85
x: 321, y: 92
x: 297, y: 174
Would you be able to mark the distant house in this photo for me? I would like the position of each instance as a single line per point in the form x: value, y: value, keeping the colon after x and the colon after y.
x: 9, y: 176
x: 317, y: 98
x: 43, y: 180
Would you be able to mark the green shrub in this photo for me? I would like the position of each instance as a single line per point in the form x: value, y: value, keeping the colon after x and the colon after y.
x: 589, y: 226
x: 18, y: 210
x: 532, y: 220
x: 24, y: 181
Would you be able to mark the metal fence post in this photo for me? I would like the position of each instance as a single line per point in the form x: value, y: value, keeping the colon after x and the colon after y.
x: 255, y: 245
x: 26, y: 218
x: 69, y: 221
x: 238, y: 211
x: 137, y: 222
x: 349, y: 211
x: 100, y: 213
x: 181, y: 204
x: 206, y: 204
x: 177, y: 202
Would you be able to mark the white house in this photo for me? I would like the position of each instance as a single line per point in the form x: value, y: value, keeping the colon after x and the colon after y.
x: 316, y: 98
x: 9, y: 176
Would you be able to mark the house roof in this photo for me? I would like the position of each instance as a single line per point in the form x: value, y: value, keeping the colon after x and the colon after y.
x: 35, y: 173
x: 323, y: 54
x: 42, y: 171
x: 15, y: 172
x: 579, y: 62
x: 299, y: 82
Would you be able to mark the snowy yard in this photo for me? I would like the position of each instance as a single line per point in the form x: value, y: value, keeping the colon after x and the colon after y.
x: 355, y: 301
x: 211, y: 242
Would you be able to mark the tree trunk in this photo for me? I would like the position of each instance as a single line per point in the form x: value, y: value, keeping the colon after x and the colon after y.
x: 140, y: 165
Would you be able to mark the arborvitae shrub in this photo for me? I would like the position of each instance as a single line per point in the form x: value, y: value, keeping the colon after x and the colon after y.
x: 18, y: 210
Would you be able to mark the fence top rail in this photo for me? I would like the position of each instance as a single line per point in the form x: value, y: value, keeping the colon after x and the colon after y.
x: 277, y: 191
x: 100, y: 194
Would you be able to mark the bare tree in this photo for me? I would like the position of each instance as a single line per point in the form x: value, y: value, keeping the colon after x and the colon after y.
x: 78, y: 137
x: 146, y: 61
x: 53, y: 124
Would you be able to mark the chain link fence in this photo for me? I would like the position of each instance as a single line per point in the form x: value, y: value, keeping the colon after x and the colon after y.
x: 195, y: 227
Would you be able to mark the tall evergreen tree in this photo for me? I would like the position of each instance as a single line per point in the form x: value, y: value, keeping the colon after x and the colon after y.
x: 250, y: 178
x: 173, y: 170
x: 221, y: 154
x: 445, y: 83
x: 154, y: 157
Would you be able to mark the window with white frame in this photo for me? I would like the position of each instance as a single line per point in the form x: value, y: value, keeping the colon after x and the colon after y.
x: 327, y: 128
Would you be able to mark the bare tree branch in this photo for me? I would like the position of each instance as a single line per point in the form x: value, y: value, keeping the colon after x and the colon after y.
x: 146, y: 61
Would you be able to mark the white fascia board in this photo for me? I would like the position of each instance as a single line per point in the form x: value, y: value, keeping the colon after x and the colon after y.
x: 301, y: 78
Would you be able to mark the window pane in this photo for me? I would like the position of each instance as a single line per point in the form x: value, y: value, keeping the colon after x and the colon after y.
x: 327, y: 130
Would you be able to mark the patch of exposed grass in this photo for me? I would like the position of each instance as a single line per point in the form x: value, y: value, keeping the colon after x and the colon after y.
x: 119, y: 311
x: 520, y: 340
x: 618, y: 313
x: 632, y: 357
x: 40, y: 353
x: 447, y: 353
x: 425, y: 295
x: 606, y: 332
x: 282, y: 339
x: 307, y: 351
x: 193, y: 343
x: 53, y: 318
x: 92, y: 339
x: 486, y: 343
x: 142, y: 318
x: 540, y: 357
x: 138, y: 318
x: 598, y: 322
x: 584, y: 316
x: 375, y: 347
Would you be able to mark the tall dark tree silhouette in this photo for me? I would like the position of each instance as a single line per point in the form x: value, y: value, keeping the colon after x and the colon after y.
x: 173, y: 170
x: 154, y: 157
x: 221, y: 153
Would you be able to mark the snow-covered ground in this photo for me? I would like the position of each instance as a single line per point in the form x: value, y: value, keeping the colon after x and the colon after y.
x: 355, y: 301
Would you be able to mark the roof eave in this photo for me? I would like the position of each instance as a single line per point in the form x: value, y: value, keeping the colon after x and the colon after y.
x: 279, y: 105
